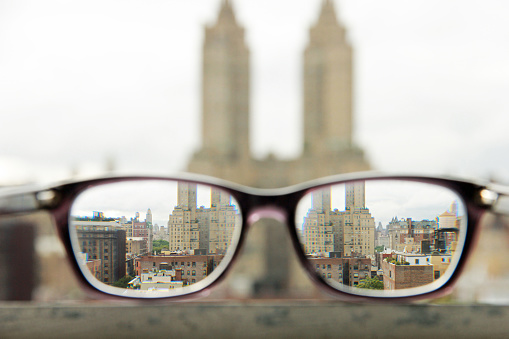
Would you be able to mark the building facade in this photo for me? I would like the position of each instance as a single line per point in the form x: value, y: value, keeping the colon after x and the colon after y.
x: 206, y: 229
x: 349, y: 231
x: 106, y: 244
x: 347, y: 271
x: 193, y: 268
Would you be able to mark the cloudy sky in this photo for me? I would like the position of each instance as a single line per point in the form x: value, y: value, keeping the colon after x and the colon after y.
x: 86, y: 81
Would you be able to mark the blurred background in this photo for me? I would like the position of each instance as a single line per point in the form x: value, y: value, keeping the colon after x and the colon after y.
x: 89, y: 87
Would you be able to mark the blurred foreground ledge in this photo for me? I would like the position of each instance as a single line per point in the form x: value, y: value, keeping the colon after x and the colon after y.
x: 252, y: 319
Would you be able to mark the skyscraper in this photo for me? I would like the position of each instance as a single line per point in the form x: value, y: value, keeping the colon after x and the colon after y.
x: 351, y: 232
x: 327, y: 107
x: 208, y: 229
x: 355, y: 195
x: 182, y: 224
x: 225, y: 88
x: 327, y: 86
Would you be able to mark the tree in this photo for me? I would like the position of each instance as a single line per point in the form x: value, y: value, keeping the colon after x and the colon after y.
x: 159, y: 245
x: 123, y: 282
x: 371, y: 283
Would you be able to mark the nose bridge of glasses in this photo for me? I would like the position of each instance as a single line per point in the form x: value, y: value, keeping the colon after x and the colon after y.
x: 267, y: 212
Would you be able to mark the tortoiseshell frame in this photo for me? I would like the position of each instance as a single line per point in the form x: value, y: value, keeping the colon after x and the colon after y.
x: 280, y: 203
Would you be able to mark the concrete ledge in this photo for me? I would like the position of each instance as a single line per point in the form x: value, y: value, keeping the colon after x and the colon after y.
x: 270, y: 319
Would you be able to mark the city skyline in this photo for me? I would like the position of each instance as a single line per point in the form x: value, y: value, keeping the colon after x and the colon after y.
x: 346, y: 246
x: 159, y: 197
x: 403, y: 200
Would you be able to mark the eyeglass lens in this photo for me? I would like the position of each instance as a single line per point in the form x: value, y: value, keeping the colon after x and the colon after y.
x: 382, y: 237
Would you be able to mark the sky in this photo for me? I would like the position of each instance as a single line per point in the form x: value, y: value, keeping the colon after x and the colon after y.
x: 387, y: 199
x: 128, y: 198
x: 87, y: 82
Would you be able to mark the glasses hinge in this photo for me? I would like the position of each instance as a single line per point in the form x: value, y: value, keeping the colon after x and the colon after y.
x: 47, y: 199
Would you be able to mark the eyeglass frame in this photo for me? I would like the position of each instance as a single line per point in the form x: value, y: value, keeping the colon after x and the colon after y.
x: 255, y: 204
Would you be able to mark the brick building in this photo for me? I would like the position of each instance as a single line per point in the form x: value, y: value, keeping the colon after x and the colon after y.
x: 107, y: 244
x: 406, y: 276
x: 348, y: 271
x: 194, y: 267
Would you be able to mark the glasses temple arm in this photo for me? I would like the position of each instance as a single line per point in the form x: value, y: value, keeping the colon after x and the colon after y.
x: 29, y: 201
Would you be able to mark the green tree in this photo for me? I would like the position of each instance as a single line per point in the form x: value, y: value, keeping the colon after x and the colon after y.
x: 371, y: 283
x: 159, y: 245
x: 123, y: 282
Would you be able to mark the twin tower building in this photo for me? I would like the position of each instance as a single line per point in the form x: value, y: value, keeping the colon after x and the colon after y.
x: 327, y: 104
x: 328, y: 143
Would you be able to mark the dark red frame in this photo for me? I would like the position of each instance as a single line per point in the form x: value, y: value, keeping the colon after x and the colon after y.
x: 270, y: 202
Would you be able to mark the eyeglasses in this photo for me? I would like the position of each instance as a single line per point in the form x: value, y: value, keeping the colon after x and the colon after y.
x: 358, y: 237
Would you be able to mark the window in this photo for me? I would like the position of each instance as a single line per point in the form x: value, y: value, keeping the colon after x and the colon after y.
x: 356, y: 275
x: 328, y: 267
x: 329, y: 275
x: 194, y: 273
x: 194, y: 263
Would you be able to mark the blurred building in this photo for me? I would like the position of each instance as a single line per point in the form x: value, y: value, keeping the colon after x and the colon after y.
x: 327, y: 101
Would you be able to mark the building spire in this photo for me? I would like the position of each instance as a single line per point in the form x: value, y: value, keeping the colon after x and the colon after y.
x: 226, y: 14
x: 327, y: 13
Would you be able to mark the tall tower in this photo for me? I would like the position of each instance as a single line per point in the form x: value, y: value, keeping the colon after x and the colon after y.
x: 225, y: 87
x: 321, y: 201
x: 148, y: 217
x: 327, y: 86
x: 219, y: 198
x: 355, y: 195
x: 186, y: 196
x: 183, y: 230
